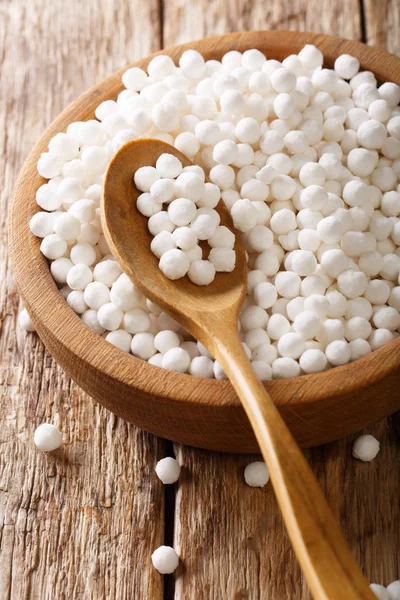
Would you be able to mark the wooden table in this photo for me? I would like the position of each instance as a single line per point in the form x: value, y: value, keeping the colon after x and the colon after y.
x: 82, y: 522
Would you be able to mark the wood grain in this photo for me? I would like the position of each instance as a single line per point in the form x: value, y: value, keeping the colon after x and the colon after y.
x: 75, y: 524
x: 382, y: 24
x: 186, y: 20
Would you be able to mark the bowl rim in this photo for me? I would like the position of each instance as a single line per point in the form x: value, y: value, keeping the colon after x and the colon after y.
x: 52, y: 314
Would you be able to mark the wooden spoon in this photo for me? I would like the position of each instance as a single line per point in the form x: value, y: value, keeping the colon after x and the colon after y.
x: 210, y: 314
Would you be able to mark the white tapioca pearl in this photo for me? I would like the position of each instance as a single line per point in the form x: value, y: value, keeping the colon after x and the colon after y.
x: 290, y: 240
x: 271, y: 142
x: 337, y: 304
x: 265, y: 352
x: 346, y: 66
x: 314, y: 197
x: 283, y: 221
x: 285, y: 368
x: 391, y: 267
x: 223, y: 176
x: 393, y: 126
x: 331, y: 330
x: 306, y: 324
x: 331, y: 165
x: 255, y: 337
x: 303, y: 262
x: 284, y: 106
x: 380, y: 337
x: 283, y: 187
x: 384, y: 178
x: 291, y: 345
x: 394, y: 297
x: 352, y: 283
x: 146, y: 206
x: 338, y: 352
x: 359, y: 348
x: 295, y: 307
x: 244, y: 215
x: 280, y: 307
x: 386, y: 317
x: 267, y: 263
x: 334, y: 262
x: 281, y: 162
x: 277, y: 326
x: 322, y: 100
x: 312, y: 174
x: 317, y: 304
x: 390, y: 204
x: 308, y: 219
x: 330, y: 230
x: 253, y: 317
x: 287, y: 284
x: 357, y: 328
x: 96, y: 294
x: 377, y: 291
x: 260, y: 238
x: 265, y: 294
x: 359, y: 307
x: 354, y: 243
x: 371, y: 134
x: 308, y: 239
x: 255, y: 190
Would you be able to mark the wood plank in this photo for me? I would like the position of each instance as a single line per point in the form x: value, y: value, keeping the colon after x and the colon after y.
x: 186, y: 20
x: 82, y: 522
x: 231, y: 537
x: 382, y: 24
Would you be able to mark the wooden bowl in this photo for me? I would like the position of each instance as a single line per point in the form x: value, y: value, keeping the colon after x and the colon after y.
x: 204, y: 413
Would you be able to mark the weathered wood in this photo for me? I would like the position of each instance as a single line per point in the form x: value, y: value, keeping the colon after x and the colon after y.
x: 186, y: 20
x: 231, y: 537
x: 382, y: 24
x: 80, y: 523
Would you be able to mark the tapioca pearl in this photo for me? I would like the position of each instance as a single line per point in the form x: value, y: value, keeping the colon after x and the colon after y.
x: 277, y: 326
x: 142, y: 345
x: 308, y: 219
x: 283, y: 221
x: 391, y: 267
x: 377, y: 292
x: 359, y: 348
x: 352, y: 283
x: 394, y: 297
x: 317, y: 304
x: 357, y: 328
x: 379, y: 337
x: 306, y: 324
x: 253, y: 317
x: 42, y: 224
x: 287, y: 284
x: 53, y: 246
x: 313, y: 361
x: 285, y: 368
x: 337, y: 304
x: 386, y: 317
x: 338, y: 352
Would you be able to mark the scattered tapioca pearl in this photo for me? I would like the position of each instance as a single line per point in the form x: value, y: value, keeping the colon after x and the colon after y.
x: 47, y: 437
x: 306, y: 160
x: 366, y: 448
x: 256, y: 474
x: 24, y: 321
x: 168, y: 470
x: 165, y: 560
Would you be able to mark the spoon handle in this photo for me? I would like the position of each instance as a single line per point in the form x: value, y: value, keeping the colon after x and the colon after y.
x: 328, y: 565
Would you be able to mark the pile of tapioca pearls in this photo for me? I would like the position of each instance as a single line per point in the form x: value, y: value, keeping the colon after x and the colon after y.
x: 306, y: 159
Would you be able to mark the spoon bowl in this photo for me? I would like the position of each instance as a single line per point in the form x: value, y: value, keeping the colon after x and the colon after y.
x: 129, y: 239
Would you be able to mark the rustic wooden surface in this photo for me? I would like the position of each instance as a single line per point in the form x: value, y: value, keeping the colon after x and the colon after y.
x: 82, y: 523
